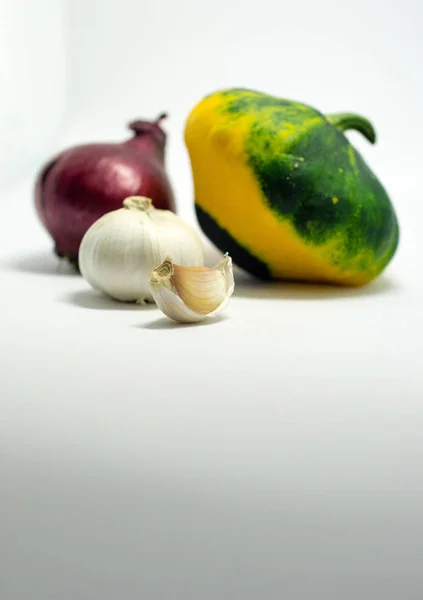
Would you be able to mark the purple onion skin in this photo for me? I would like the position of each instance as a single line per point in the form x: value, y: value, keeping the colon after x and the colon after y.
x: 83, y: 183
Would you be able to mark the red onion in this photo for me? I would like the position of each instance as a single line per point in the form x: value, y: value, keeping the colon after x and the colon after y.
x: 83, y: 183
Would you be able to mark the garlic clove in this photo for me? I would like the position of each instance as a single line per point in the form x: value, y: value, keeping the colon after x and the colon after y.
x: 191, y: 294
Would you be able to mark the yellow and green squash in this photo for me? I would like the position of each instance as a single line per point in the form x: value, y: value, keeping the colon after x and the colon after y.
x: 278, y: 186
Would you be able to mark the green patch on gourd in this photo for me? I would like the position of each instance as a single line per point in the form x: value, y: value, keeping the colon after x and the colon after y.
x: 302, y: 161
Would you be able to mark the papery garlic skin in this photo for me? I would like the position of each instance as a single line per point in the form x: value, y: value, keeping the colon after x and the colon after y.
x: 120, y: 250
x: 192, y: 294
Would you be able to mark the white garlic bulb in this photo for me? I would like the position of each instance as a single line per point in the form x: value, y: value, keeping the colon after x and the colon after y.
x: 191, y: 294
x: 121, y: 249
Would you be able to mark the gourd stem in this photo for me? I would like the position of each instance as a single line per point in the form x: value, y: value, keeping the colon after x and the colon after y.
x: 345, y: 121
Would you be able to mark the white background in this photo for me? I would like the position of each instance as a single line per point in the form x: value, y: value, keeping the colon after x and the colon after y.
x: 276, y: 453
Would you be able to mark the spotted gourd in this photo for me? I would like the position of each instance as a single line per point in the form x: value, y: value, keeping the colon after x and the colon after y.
x: 279, y: 186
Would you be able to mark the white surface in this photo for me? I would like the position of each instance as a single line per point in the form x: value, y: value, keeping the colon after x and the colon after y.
x: 33, y: 56
x: 276, y: 453
x: 277, y: 449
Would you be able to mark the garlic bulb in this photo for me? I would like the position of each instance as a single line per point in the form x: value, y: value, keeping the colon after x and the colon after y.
x: 120, y: 250
x: 190, y: 294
